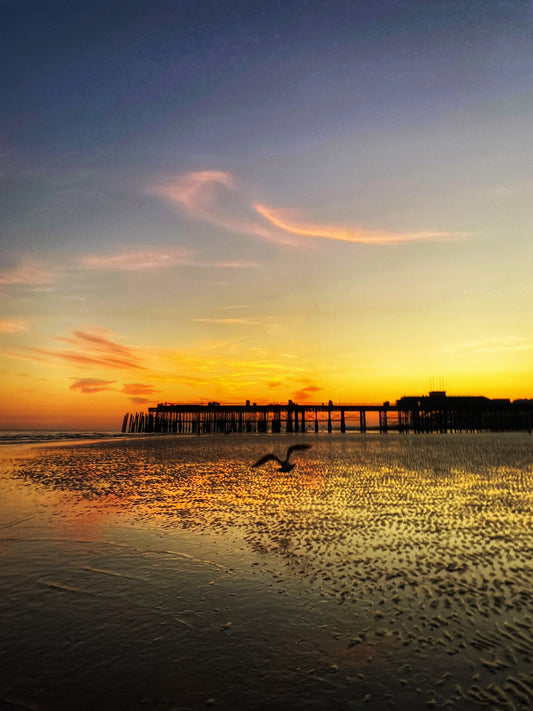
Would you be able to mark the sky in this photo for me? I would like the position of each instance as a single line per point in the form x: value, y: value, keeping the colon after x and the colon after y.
x: 229, y: 200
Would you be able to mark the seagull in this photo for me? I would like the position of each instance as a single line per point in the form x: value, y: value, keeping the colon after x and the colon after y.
x: 284, y: 465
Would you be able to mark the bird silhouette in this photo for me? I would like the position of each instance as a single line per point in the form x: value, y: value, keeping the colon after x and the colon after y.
x: 284, y: 464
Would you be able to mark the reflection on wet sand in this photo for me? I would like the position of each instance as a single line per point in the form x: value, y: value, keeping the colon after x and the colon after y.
x: 415, y: 551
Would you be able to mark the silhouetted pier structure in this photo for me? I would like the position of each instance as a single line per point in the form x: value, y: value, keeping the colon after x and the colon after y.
x: 432, y: 413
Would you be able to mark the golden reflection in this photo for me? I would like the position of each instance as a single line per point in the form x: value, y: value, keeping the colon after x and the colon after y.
x: 427, y: 538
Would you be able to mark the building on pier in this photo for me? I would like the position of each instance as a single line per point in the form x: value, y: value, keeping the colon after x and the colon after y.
x: 438, y: 412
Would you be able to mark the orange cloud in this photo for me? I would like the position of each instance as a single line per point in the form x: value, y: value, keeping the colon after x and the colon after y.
x: 305, y: 393
x: 83, y: 359
x: 100, y: 342
x: 13, y: 326
x: 282, y: 220
x: 94, y: 348
x: 25, y: 356
x: 138, y: 389
x: 90, y: 386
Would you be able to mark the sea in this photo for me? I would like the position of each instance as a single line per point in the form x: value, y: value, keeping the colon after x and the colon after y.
x: 40, y: 436
x: 167, y: 572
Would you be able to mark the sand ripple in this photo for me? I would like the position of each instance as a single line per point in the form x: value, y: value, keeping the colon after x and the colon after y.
x: 424, y: 542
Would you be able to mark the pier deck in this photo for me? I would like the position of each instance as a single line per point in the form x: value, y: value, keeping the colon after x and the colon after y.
x: 433, y: 413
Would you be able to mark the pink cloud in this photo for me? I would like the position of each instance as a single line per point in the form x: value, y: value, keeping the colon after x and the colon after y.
x: 28, y: 272
x: 90, y: 386
x: 284, y: 221
x: 194, y: 190
x: 143, y: 260
x: 236, y: 265
x: 213, y: 196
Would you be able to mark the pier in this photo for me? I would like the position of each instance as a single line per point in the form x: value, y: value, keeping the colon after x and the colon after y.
x: 432, y: 413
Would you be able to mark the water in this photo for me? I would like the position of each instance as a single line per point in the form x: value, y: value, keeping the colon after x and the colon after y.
x: 39, y: 436
x: 165, y: 572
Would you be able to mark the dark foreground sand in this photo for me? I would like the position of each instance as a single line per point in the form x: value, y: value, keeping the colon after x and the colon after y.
x: 165, y: 573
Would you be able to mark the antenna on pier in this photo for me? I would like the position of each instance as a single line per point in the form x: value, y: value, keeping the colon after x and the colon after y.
x: 436, y: 384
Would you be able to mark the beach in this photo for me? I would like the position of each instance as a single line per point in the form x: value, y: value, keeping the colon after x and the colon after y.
x: 165, y: 572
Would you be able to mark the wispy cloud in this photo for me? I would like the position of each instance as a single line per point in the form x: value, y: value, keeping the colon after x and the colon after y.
x: 154, y: 259
x: 493, y: 345
x: 236, y: 265
x: 92, y: 347
x: 306, y: 393
x: 227, y: 373
x: 138, y: 389
x: 144, y: 260
x: 90, y: 386
x: 13, y: 325
x: 28, y: 272
x: 34, y: 357
x: 98, y: 339
x: 214, y: 196
x: 511, y: 190
x: 228, y: 321
x: 284, y: 220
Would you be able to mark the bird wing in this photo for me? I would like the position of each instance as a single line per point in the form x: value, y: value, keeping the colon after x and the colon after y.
x: 266, y: 458
x: 294, y: 447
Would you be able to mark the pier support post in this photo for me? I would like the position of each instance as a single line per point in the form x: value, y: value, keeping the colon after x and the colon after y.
x: 262, y: 423
x: 383, y: 426
x: 276, y: 420
x: 288, y: 427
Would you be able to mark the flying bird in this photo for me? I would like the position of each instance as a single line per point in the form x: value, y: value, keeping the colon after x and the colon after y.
x: 284, y: 464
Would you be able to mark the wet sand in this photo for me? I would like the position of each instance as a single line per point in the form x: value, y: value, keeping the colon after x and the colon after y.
x: 166, y: 573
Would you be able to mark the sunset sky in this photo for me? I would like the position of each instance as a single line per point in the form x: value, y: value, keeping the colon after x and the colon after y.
x: 229, y: 200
